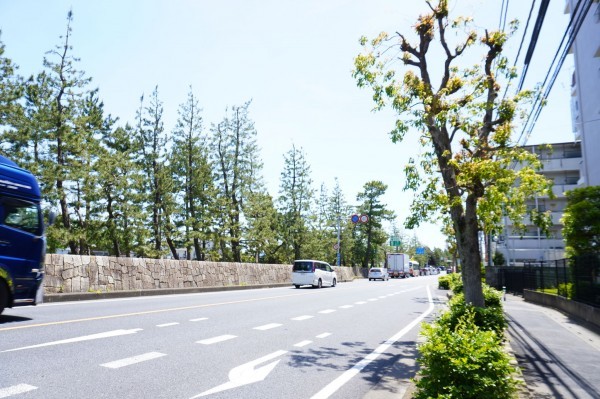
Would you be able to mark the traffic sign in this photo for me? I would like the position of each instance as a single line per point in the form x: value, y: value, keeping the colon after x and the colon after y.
x: 364, y: 218
x: 355, y: 218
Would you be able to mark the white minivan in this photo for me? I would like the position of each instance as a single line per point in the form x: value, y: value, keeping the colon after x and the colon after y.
x: 313, y: 272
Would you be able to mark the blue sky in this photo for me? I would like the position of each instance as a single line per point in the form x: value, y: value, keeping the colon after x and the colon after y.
x: 292, y: 58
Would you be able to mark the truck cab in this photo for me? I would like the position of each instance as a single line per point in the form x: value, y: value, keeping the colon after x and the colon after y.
x: 22, y: 241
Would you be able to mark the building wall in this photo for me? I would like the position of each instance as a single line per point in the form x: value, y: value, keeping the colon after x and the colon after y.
x: 562, y: 165
x: 585, y: 92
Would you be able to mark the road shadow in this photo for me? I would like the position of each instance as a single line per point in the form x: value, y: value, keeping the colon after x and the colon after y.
x: 6, y: 319
x: 396, y: 363
x: 538, y: 365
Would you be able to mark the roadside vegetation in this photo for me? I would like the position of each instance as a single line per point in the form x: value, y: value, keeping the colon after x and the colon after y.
x: 463, y: 354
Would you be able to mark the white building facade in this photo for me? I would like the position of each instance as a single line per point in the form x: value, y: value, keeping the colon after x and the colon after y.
x: 585, y: 91
x: 562, y: 165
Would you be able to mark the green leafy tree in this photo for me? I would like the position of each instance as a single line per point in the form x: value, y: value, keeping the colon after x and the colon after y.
x: 157, y: 185
x: 262, y: 233
x: 339, y: 215
x: 11, y: 90
x: 581, y: 221
x: 122, y: 230
x: 56, y: 139
x: 466, y: 167
x: 295, y: 195
x: 372, y: 232
x: 237, y: 174
x: 193, y: 174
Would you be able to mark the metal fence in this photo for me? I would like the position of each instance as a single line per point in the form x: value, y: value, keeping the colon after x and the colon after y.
x: 576, y: 278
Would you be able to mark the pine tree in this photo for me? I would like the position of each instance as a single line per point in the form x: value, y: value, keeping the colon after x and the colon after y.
x: 237, y: 173
x: 295, y: 195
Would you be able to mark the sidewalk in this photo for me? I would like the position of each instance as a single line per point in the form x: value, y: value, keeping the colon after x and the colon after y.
x: 559, y: 356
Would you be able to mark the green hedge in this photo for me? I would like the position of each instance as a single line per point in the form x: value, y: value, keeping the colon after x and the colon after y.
x: 463, y: 355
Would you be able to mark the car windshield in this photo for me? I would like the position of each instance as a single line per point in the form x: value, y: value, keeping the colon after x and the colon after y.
x: 303, y: 267
x: 375, y: 270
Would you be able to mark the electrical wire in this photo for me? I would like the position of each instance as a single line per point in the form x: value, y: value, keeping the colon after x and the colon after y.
x: 571, y: 32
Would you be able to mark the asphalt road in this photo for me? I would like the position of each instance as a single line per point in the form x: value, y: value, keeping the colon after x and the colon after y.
x: 339, y: 342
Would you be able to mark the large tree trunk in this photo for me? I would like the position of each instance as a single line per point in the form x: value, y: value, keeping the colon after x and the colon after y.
x: 467, y: 240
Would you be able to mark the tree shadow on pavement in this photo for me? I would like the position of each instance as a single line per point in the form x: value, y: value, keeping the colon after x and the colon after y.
x: 538, y: 359
x: 396, y: 363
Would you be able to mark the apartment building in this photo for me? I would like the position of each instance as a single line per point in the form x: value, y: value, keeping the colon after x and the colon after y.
x: 585, y: 89
x: 562, y: 165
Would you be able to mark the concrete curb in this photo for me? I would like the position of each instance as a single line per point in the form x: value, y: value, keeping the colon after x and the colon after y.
x: 89, y: 296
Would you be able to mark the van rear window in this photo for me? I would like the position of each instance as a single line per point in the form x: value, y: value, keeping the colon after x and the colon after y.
x: 303, y: 267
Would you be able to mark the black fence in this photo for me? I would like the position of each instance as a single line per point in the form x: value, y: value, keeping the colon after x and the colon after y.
x: 577, y: 278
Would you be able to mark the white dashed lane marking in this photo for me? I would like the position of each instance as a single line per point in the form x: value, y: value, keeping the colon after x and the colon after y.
x: 326, y: 311
x: 267, y: 326
x: 324, y: 335
x: 16, y: 390
x: 346, y: 306
x: 166, y: 325
x: 303, y: 343
x: 360, y: 303
x: 305, y: 317
x: 117, y: 364
x: 199, y: 319
x: 215, y: 340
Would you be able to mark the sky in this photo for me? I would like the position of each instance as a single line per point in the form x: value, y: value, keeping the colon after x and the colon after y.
x: 292, y: 58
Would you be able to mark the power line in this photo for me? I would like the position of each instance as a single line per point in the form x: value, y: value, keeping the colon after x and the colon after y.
x: 571, y: 31
x: 520, y: 47
x: 534, y: 37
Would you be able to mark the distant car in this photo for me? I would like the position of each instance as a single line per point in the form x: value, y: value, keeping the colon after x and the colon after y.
x: 449, y: 270
x: 378, y: 273
x: 313, y: 272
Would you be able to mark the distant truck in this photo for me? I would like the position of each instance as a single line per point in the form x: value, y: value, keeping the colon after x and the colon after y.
x: 398, y: 265
x: 22, y: 241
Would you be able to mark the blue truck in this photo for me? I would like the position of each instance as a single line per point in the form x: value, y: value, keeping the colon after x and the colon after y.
x: 22, y: 240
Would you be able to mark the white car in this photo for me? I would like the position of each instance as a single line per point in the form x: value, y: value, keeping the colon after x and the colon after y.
x: 313, y: 272
x: 378, y: 273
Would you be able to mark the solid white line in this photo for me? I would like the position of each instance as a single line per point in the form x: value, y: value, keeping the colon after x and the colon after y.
x: 346, y: 306
x: 300, y: 318
x: 199, y: 319
x: 215, y: 340
x: 327, y: 311
x: 133, y: 360
x: 324, y: 335
x: 267, y: 326
x: 167, y: 324
x: 302, y: 343
x: 15, y: 390
x: 107, y: 334
x: 336, y: 384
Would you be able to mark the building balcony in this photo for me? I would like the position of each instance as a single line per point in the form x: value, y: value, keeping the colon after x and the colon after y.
x: 516, y: 243
x: 561, y: 165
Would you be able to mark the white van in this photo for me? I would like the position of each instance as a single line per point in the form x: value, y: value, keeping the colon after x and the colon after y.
x: 313, y: 272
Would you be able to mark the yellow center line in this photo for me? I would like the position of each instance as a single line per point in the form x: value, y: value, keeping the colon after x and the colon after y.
x: 114, y: 316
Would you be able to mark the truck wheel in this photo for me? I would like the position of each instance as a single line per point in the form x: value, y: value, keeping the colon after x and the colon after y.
x: 3, y: 296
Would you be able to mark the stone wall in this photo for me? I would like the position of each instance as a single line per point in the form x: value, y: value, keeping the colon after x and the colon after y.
x: 75, y: 274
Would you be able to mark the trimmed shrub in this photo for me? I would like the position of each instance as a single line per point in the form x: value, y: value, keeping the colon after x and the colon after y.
x: 463, y: 362
x: 444, y: 282
x: 566, y: 290
x: 456, y: 283
x: 490, y: 318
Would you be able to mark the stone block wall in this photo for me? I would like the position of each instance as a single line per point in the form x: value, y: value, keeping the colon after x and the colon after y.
x: 76, y: 274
